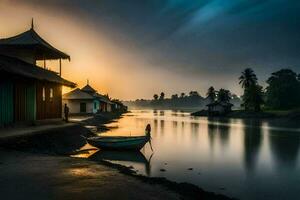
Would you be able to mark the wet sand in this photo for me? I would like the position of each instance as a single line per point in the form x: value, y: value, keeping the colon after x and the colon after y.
x: 39, y: 167
x: 31, y: 176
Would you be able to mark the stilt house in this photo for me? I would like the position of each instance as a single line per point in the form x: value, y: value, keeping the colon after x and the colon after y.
x: 29, y: 92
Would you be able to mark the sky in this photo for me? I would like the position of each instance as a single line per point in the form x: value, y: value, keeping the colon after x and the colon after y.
x: 132, y: 49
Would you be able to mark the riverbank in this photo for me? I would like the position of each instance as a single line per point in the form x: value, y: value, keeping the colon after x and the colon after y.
x: 39, y: 167
x: 254, y: 115
x: 36, y: 176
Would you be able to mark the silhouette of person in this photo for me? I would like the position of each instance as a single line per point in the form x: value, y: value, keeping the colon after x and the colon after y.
x: 66, y: 112
x: 148, y: 134
x: 148, y: 129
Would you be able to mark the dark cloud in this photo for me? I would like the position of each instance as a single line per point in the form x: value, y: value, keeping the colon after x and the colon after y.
x: 189, y: 36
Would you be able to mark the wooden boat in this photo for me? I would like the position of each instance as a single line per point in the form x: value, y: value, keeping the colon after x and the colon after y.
x: 118, y: 142
x: 127, y: 156
x: 133, y: 157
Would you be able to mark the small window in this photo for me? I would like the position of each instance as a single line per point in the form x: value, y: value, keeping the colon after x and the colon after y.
x: 82, y: 107
x: 44, y: 94
x: 95, y: 105
x: 51, y: 94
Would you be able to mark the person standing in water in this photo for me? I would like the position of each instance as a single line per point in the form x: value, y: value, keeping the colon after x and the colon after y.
x: 148, y: 134
x: 66, y: 112
x: 148, y: 129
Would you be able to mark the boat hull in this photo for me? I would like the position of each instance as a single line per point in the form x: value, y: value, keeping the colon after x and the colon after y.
x: 127, y: 156
x: 119, y: 143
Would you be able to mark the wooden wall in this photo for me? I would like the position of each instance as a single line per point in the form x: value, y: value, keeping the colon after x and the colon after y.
x: 6, y: 102
x: 17, y: 99
x: 21, y: 100
x: 24, y: 100
x: 47, y: 107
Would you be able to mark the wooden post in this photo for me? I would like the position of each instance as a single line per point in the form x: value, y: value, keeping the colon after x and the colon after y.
x: 60, y: 67
x: 44, y: 63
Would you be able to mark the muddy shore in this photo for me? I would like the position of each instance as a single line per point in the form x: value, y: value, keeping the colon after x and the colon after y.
x: 39, y: 167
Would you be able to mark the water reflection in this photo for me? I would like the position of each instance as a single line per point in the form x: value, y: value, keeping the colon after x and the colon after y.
x: 252, y: 142
x: 220, y: 128
x: 195, y: 128
x: 285, y: 148
x: 212, y: 132
x: 174, y: 123
x: 224, y: 129
x: 239, y: 155
x: 162, y: 113
x: 162, y: 126
x: 131, y: 157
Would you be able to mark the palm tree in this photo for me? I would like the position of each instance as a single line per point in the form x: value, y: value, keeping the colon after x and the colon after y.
x: 155, y: 96
x: 211, y: 94
x: 162, y: 96
x: 248, y: 78
x: 224, y: 96
x: 193, y: 94
x: 174, y: 96
x: 182, y: 95
x: 253, y: 98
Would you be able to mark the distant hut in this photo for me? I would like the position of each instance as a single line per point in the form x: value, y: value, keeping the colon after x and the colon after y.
x: 79, y: 102
x: 87, y: 100
x: 118, y: 106
x: 29, y: 92
x: 88, y: 89
x: 105, y: 105
x: 219, y: 108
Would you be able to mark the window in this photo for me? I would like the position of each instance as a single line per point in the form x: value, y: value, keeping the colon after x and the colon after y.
x: 44, y: 94
x: 82, y: 107
x: 51, y: 94
x: 95, y: 105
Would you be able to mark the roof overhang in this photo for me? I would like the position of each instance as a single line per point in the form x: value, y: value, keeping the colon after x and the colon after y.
x: 18, y: 67
x: 30, y: 41
x: 39, y: 52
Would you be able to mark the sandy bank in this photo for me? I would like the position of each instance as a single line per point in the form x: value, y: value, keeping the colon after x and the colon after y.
x: 38, y: 167
x: 32, y: 176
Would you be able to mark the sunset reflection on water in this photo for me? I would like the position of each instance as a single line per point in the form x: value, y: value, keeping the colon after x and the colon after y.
x: 248, y: 159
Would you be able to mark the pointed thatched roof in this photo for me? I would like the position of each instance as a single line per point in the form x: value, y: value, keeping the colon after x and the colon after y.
x: 102, y: 98
x: 31, y: 41
x: 18, y: 67
x: 77, y: 94
x: 88, y: 89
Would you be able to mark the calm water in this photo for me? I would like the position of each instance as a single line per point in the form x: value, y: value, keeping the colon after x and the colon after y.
x: 246, y: 159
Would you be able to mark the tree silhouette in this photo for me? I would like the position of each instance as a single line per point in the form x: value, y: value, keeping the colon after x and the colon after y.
x: 211, y: 94
x: 193, y: 94
x: 224, y: 95
x: 162, y: 96
x: 155, y: 96
x: 182, y: 95
x: 174, y: 96
x: 283, y: 91
x: 247, y: 78
x: 252, y: 97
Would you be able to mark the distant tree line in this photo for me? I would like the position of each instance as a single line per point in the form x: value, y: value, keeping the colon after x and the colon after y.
x: 282, y: 92
x: 193, y: 99
x: 190, y: 100
x: 222, y: 95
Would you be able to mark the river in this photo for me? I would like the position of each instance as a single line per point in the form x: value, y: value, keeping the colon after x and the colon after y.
x: 246, y: 159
